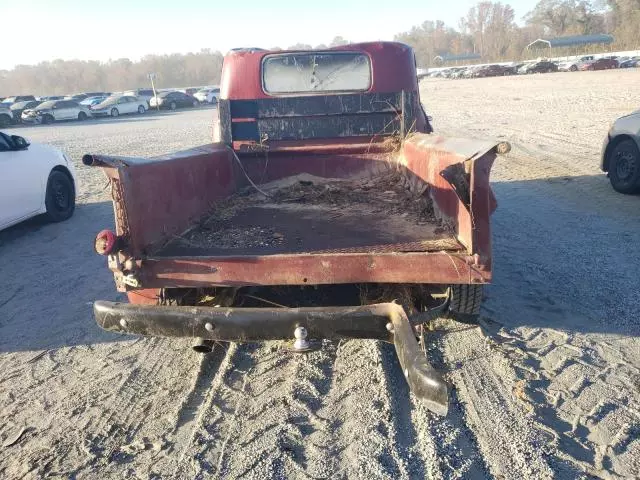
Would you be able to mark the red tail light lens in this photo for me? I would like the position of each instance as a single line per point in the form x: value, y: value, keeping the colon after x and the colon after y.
x: 105, y: 242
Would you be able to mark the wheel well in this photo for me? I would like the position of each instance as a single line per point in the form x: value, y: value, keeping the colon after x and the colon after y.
x: 65, y: 170
x: 611, y: 146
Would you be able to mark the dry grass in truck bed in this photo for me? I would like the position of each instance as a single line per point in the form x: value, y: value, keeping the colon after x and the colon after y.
x: 318, y: 200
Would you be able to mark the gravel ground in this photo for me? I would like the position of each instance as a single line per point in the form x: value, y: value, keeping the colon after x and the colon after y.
x: 546, y: 387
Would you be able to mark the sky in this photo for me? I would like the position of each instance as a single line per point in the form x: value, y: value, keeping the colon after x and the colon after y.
x: 103, y: 30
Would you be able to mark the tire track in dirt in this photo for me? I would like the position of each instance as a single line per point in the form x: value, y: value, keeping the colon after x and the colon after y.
x: 260, y: 410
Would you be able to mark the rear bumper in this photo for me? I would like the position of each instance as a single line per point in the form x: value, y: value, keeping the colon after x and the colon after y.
x: 244, y: 324
x: 383, y: 321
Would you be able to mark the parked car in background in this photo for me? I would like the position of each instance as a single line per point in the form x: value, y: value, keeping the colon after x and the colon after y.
x: 51, y: 97
x: 543, y: 66
x: 569, y: 66
x: 621, y: 154
x: 78, y: 97
x: 208, y: 95
x: 18, y: 98
x: 141, y: 93
x: 36, y: 179
x: 632, y: 62
x: 122, y: 105
x: 56, y: 110
x: 18, y: 107
x: 599, y: 64
x: 189, y: 91
x: 459, y: 73
x: 91, y: 101
x: 493, y: 71
x: 470, y: 72
x: 6, y: 115
x: 172, y: 100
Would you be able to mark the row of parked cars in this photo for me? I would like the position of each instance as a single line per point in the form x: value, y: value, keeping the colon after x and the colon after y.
x: 585, y: 63
x: 29, y: 109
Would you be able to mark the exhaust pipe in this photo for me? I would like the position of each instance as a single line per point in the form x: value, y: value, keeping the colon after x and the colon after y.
x: 203, y: 346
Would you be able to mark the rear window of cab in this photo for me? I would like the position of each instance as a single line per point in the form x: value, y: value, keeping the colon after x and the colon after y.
x: 311, y: 72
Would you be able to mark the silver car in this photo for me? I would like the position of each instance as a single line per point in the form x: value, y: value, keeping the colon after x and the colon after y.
x: 621, y: 154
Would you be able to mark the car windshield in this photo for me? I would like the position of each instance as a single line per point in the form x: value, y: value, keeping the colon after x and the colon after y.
x: 9, y: 100
x: 316, y: 72
x: 46, y: 105
x: 110, y: 100
x: 19, y: 105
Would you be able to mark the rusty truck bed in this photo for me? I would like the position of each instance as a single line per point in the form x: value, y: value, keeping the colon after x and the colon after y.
x: 307, y: 214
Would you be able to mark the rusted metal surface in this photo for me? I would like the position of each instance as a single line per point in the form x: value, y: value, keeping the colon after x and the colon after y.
x: 425, y: 382
x: 393, y: 67
x: 433, y: 159
x: 248, y: 114
x: 160, y: 197
x: 245, y: 324
x: 433, y: 267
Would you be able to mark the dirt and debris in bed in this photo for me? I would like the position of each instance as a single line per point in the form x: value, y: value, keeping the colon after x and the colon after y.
x: 308, y: 213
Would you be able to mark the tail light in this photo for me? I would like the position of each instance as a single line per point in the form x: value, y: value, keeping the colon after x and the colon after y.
x: 105, y: 242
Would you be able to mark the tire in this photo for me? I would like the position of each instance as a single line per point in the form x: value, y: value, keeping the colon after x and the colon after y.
x: 5, y: 120
x: 141, y: 109
x: 82, y: 116
x: 214, y: 101
x: 47, y: 119
x: 573, y: 68
x: 114, y: 112
x: 60, y: 198
x: 173, y: 105
x: 624, y: 167
x: 464, y: 302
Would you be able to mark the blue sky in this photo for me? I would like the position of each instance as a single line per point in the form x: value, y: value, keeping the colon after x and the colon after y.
x: 100, y: 30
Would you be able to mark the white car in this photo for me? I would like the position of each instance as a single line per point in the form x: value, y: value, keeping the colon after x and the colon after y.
x: 570, y: 66
x: 36, y: 179
x: 115, y: 106
x: 208, y: 95
x: 56, y: 110
x: 142, y: 93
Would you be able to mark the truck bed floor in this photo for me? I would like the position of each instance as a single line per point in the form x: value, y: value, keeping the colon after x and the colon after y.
x: 338, y: 216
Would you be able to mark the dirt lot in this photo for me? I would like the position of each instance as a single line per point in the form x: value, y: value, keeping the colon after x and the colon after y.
x: 547, y: 387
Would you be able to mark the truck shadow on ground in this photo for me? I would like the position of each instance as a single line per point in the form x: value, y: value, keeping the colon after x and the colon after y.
x: 565, y: 253
x: 50, y: 277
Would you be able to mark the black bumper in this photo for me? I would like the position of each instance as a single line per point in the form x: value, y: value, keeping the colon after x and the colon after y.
x: 383, y: 321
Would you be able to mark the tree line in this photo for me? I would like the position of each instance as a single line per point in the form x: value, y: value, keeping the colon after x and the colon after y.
x: 489, y: 29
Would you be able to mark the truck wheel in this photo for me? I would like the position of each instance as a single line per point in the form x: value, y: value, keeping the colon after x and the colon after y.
x: 624, y: 167
x: 464, y: 302
x: 60, y: 198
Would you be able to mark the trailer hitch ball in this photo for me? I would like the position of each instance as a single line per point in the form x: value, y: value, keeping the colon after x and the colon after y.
x: 301, y: 343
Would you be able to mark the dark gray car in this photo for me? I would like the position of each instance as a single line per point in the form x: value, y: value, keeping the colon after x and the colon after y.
x: 621, y: 154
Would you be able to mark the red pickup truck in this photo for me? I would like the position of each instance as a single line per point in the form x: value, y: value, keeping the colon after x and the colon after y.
x: 326, y: 208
